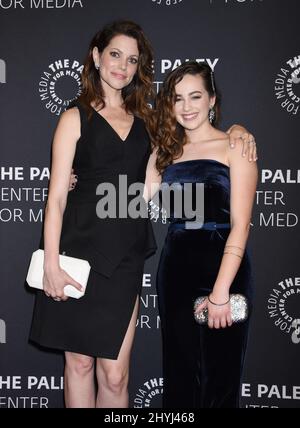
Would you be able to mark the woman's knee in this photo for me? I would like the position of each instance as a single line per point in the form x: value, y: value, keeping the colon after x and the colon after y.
x: 80, y: 364
x: 115, y: 379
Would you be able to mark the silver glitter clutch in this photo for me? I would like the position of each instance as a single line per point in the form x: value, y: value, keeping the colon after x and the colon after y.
x: 238, y: 304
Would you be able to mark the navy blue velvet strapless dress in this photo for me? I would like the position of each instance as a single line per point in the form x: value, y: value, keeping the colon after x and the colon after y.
x: 202, y: 367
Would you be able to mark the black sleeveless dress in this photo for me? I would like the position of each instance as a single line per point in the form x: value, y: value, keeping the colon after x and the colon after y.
x: 116, y: 248
x: 202, y: 367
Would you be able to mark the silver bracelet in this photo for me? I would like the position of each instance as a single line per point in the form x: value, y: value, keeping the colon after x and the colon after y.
x: 218, y: 304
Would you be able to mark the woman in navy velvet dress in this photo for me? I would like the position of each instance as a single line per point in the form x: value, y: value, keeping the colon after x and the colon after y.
x: 202, y: 365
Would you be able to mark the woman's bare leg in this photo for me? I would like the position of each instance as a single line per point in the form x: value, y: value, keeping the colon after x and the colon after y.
x: 112, y: 375
x: 79, y: 381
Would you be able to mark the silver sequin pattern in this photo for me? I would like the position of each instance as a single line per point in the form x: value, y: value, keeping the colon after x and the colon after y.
x: 238, y: 304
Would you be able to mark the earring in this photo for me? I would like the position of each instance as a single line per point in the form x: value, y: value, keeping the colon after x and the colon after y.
x: 97, y: 67
x: 211, y: 115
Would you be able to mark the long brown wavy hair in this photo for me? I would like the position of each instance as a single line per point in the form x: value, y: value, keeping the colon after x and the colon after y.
x: 170, y: 136
x: 137, y: 94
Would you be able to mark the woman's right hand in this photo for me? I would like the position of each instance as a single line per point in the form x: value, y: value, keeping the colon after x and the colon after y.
x: 54, y: 282
x: 73, y: 180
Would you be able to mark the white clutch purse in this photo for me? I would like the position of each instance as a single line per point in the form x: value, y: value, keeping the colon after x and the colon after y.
x: 78, y: 269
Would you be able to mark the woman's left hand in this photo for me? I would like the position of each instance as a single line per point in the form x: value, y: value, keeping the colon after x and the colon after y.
x: 218, y: 316
x: 249, y: 145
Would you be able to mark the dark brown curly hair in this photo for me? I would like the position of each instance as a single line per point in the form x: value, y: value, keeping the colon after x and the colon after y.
x: 169, y: 134
x: 137, y: 94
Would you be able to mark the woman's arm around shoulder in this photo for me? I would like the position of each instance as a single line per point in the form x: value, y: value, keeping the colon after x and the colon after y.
x: 243, y: 179
x: 153, y: 178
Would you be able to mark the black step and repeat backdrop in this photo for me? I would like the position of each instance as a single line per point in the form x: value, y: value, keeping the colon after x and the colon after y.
x: 253, y: 47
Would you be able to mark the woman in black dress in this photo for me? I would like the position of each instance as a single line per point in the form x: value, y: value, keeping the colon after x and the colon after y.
x: 102, y: 137
x: 202, y: 256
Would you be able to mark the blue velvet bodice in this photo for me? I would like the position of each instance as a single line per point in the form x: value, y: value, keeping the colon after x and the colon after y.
x: 216, y: 179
